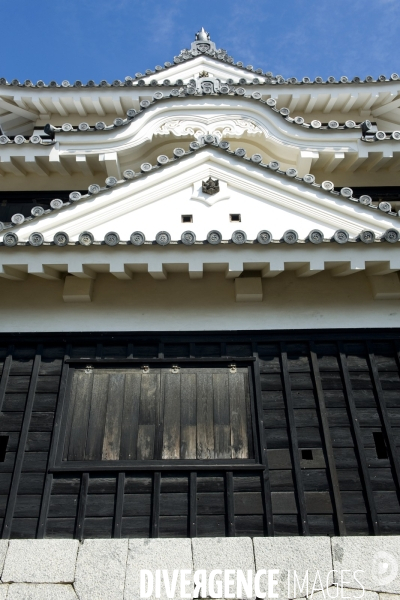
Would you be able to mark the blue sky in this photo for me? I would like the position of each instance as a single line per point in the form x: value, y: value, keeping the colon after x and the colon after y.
x: 109, y: 39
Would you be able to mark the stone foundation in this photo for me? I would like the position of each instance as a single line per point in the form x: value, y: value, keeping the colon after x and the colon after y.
x: 110, y: 569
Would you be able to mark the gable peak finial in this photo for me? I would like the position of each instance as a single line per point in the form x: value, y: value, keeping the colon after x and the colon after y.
x: 202, y: 35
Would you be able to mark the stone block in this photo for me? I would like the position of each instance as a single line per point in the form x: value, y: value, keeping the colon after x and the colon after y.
x: 77, y: 289
x: 248, y: 289
x: 153, y: 555
x: 100, y: 569
x: 3, y: 591
x: 305, y: 560
x: 385, y: 287
x: 40, y: 561
x: 378, y: 557
x: 342, y: 593
x: 41, y: 591
x: 223, y: 554
x: 3, y: 552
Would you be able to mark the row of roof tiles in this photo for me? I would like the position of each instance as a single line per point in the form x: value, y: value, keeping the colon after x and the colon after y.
x: 194, y: 146
x: 129, y: 81
x: 214, y: 237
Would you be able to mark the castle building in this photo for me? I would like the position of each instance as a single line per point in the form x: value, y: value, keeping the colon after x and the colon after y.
x: 200, y: 304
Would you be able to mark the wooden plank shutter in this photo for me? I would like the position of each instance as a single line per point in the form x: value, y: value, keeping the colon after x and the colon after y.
x: 128, y: 414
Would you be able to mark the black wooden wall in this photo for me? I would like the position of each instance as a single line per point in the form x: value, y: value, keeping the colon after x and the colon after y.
x: 325, y: 428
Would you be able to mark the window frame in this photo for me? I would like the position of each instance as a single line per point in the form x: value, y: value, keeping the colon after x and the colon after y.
x: 57, y: 464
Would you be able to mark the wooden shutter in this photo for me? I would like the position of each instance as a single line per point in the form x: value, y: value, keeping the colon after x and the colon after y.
x: 165, y: 413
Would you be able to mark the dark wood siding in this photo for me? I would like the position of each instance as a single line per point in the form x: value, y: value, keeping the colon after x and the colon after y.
x: 303, y: 439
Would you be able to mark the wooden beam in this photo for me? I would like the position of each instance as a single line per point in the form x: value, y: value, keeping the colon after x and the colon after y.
x: 17, y: 110
x: 4, y: 375
x: 98, y: 107
x: 323, y: 415
x: 111, y: 163
x: 80, y: 519
x: 348, y: 268
x: 155, y: 509
x: 381, y: 110
x: 335, y: 160
x: 33, y: 165
x: 26, y: 421
x: 230, y: 507
x: 79, y: 106
x: 58, y: 105
x: 355, y: 423
x: 119, y: 505
x: 310, y: 268
x: 260, y: 438
x: 44, y: 271
x: 273, y: 269
x: 83, y: 165
x: 13, y: 273
x: 8, y: 164
x: 193, y: 504
x: 293, y: 441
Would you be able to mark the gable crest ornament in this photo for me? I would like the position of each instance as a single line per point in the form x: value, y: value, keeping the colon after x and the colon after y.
x: 210, y: 187
x: 202, y: 42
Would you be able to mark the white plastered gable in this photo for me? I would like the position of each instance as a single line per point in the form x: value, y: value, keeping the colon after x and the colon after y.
x: 157, y: 201
x: 191, y: 69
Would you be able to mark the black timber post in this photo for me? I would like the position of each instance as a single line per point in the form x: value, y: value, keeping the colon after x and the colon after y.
x: 323, y: 415
x: 348, y: 390
x: 44, y: 508
x: 16, y: 476
x: 262, y: 443
x: 294, y: 445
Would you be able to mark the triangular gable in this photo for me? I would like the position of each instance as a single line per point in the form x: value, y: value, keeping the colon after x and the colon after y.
x: 156, y: 201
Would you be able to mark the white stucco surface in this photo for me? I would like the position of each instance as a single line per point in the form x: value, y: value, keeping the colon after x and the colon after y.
x: 182, y: 304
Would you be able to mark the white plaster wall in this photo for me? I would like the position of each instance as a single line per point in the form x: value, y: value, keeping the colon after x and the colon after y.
x: 182, y: 304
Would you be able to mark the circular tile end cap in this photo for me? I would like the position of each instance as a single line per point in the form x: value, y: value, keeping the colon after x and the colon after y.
x: 37, y: 211
x: 346, y: 192
x: 367, y: 236
x: 316, y: 236
x: 86, y: 238
x: 75, y: 196
x: 214, y: 237
x: 391, y: 235
x: 137, y: 238
x: 341, y: 236
x: 264, y: 237
x: 61, y: 238
x: 36, y: 239
x: 56, y: 204
x: 17, y: 219
x: 328, y: 186
x: 10, y: 239
x: 163, y: 238
x: 290, y: 236
x: 188, y: 238
x: 111, y: 238
x: 239, y: 237
x: 111, y: 181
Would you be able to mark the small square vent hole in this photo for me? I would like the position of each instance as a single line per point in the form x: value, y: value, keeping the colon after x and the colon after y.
x: 187, y: 218
x: 235, y: 217
x: 307, y: 455
x: 3, y: 447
